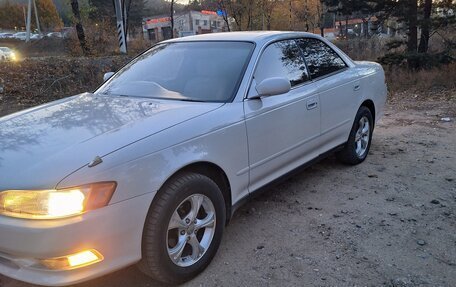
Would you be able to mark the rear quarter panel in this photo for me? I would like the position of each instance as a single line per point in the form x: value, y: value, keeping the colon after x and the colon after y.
x: 373, y: 85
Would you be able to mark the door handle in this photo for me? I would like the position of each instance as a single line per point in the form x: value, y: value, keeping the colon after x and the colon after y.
x: 357, y: 87
x: 312, y: 105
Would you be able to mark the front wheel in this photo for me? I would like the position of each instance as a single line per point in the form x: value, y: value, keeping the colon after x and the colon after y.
x: 357, y: 147
x: 183, y: 229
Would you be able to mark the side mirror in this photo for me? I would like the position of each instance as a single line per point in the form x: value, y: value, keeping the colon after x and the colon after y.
x: 273, y: 86
x: 107, y: 75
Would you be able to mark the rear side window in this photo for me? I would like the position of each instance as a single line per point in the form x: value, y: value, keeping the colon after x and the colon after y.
x: 321, y: 59
x: 282, y: 59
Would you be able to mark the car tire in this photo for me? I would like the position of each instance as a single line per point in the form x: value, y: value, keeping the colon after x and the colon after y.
x: 180, y: 196
x: 357, y: 147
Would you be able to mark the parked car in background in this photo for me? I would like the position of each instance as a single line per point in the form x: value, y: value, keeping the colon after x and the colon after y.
x: 54, y: 35
x: 67, y: 31
x: 331, y: 36
x: 150, y: 167
x: 6, y: 54
x: 6, y: 35
x: 20, y: 36
x: 36, y: 36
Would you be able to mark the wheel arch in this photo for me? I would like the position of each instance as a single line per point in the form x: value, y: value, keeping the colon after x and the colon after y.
x: 371, y: 106
x: 215, y: 173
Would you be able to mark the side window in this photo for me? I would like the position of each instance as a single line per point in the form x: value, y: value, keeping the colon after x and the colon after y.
x: 321, y: 59
x: 282, y: 59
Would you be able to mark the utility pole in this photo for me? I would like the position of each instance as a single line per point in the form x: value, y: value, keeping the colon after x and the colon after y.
x: 36, y: 16
x: 118, y: 5
x: 29, y: 16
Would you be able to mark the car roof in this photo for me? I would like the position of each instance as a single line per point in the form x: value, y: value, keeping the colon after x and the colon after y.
x: 250, y: 36
x: 260, y: 38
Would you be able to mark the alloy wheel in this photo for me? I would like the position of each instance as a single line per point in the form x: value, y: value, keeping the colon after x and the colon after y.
x: 362, y: 136
x: 191, y: 230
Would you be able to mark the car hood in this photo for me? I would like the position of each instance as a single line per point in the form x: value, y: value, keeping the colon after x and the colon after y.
x: 42, y: 145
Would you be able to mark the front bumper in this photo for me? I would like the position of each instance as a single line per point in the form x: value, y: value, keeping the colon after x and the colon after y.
x: 115, y: 231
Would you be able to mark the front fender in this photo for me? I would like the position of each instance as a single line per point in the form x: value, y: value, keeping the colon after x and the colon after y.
x: 218, y: 137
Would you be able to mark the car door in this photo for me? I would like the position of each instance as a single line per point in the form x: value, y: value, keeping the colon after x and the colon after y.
x: 282, y: 130
x: 337, y: 86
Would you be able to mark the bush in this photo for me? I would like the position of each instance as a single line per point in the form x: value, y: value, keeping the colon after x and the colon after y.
x: 417, y: 60
x: 35, y: 81
x: 425, y: 81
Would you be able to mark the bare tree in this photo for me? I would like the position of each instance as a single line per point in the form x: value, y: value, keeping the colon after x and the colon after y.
x: 79, y: 27
x: 412, y: 20
x: 171, y: 16
x: 425, y: 27
x: 222, y: 7
x: 268, y: 7
x: 236, y: 10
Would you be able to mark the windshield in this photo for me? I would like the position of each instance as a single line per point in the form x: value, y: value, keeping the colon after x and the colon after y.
x: 192, y: 71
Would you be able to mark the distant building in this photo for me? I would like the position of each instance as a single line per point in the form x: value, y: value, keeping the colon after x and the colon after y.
x: 158, y: 28
x: 358, y: 26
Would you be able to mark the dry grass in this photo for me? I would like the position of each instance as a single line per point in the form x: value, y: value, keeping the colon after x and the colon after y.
x: 401, y: 79
x: 35, y: 81
x: 426, y: 82
x: 137, y: 45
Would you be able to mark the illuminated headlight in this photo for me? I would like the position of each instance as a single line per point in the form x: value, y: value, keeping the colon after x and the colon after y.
x: 51, y: 204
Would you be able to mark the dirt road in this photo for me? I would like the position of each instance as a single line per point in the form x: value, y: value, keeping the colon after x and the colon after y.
x: 390, y: 221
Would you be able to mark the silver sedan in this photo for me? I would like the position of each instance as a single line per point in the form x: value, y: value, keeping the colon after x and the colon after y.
x: 149, y: 168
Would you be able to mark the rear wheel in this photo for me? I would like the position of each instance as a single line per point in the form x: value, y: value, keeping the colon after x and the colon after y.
x: 357, y: 147
x: 183, y: 229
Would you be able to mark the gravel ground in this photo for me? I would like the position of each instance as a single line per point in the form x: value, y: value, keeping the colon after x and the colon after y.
x: 390, y: 221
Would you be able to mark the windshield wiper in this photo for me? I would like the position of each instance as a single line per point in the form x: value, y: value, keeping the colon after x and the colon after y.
x: 190, y: 100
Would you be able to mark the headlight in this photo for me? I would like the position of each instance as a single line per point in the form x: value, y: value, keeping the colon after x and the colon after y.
x: 51, y: 204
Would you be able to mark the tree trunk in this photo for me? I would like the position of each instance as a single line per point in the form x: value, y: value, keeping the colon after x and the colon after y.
x: 222, y: 7
x: 341, y: 28
x: 365, y: 28
x: 225, y: 18
x: 291, y: 20
x: 425, y: 27
x: 249, y: 18
x: 346, y: 26
x: 412, y: 23
x: 127, y: 16
x: 79, y: 27
x: 172, y: 18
